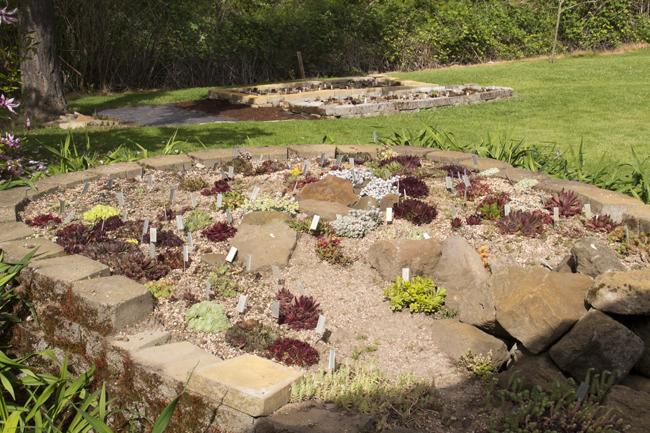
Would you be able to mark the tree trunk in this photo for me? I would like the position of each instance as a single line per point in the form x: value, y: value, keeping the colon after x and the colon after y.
x: 557, y: 29
x: 42, y: 85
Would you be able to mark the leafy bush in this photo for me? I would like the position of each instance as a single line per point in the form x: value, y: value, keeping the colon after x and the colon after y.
x: 251, y: 336
x: 418, y: 295
x: 207, y: 317
x: 293, y: 352
x: 329, y: 249
x: 415, y: 211
x: 161, y: 288
x: 219, y: 232
x: 413, y: 187
x: 101, y: 212
x: 196, y: 220
x: 278, y: 203
x: 366, y: 389
x: 357, y: 223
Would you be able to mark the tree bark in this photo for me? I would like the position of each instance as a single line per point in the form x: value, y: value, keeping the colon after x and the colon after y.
x: 42, y: 85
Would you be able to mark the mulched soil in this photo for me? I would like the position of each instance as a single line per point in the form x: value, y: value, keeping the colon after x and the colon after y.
x: 241, y: 112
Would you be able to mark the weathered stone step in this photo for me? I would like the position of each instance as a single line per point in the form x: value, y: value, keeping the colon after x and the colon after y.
x: 16, y: 250
x: 11, y: 231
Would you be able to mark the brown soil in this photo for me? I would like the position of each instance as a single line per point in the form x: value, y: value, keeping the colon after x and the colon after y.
x: 221, y: 107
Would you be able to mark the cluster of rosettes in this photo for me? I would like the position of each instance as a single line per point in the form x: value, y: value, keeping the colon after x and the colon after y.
x: 357, y: 223
x: 378, y: 188
x: 278, y: 203
x: 354, y: 175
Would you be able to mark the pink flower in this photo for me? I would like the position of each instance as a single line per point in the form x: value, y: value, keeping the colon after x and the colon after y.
x: 8, y: 103
x: 29, y: 124
x: 4, y: 14
x: 11, y: 141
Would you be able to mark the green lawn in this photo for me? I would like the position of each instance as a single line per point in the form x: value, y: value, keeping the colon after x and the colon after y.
x: 601, y: 99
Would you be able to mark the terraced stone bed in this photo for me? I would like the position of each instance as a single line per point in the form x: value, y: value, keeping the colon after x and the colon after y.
x: 360, y: 324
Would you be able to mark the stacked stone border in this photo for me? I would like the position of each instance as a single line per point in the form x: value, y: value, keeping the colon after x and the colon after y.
x: 81, y: 306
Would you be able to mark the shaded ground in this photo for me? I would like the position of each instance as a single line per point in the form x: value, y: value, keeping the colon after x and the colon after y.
x: 241, y: 112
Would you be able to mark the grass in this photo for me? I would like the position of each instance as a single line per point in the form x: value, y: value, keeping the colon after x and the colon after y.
x: 599, y: 98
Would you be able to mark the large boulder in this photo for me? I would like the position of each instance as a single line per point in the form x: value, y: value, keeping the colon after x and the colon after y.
x: 533, y: 370
x: 460, y: 270
x: 365, y: 203
x: 502, y: 282
x: 327, y: 210
x: 273, y: 219
x: 633, y: 406
x: 266, y: 245
x: 543, y: 307
x: 331, y: 188
x: 637, y: 383
x: 313, y: 417
x: 592, y: 257
x: 600, y: 342
x: 641, y: 327
x: 390, y: 256
x: 499, y: 264
x: 626, y: 293
x: 455, y: 338
x: 389, y: 200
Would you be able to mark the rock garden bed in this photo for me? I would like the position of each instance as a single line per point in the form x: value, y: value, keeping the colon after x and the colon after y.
x: 385, y: 258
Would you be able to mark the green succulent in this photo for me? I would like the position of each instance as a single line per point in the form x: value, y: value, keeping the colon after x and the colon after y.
x: 230, y: 200
x: 161, y: 288
x: 193, y: 184
x: 101, y: 212
x: 419, y: 295
x: 196, y: 220
x: 207, y: 317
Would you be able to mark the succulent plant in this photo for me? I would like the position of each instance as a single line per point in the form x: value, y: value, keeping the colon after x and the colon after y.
x: 492, y: 207
x: 196, y: 220
x: 166, y: 238
x: 429, y: 173
x: 357, y: 223
x: 527, y: 223
x: 280, y: 203
x: 413, y: 187
x: 100, y: 212
x: 76, y: 237
x: 284, y: 298
x: 132, y: 229
x: 409, y: 163
x: 173, y: 259
x: 207, y: 317
x: 456, y: 223
x: 169, y: 214
x: 453, y: 170
x: 477, y: 189
x: 360, y: 158
x: 299, y: 313
x: 566, y: 202
x: 42, y: 220
x: 220, y: 186
x: 329, y: 249
x: 161, y: 288
x: 240, y: 165
x: 298, y: 184
x: 473, y: 220
x: 601, y: 223
x: 102, y: 252
x: 266, y: 167
x: 109, y: 224
x: 378, y: 188
x: 193, y: 184
x: 219, y: 232
x: 293, y: 352
x: 415, y: 211
x: 136, y: 266
x: 251, y: 336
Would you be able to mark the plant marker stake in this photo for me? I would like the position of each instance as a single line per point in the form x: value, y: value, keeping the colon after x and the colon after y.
x: 152, y: 250
x: 543, y: 201
x: 123, y: 217
x: 509, y: 180
x: 305, y: 167
x: 453, y: 211
x: 426, y: 236
x: 406, y: 273
x: 314, y: 223
x: 219, y: 200
x: 506, y: 209
x: 248, y: 262
x: 276, y: 272
x: 627, y: 234
x: 141, y: 172
x: 69, y: 217
x: 146, y: 226
x: 556, y: 214
x: 352, y: 162
x: 120, y: 198
x: 374, y: 134
x: 103, y: 221
x: 153, y: 235
x: 223, y: 174
x: 256, y: 191
x: 179, y: 223
x: 193, y: 198
x: 243, y: 146
x: 582, y: 391
x: 241, y: 305
x: 301, y: 288
x: 467, y: 183
x: 545, y: 263
x: 448, y: 182
x: 234, y: 150
x: 320, y: 327
x: 149, y: 181
x: 231, y: 254
x: 229, y: 216
x: 339, y: 216
x: 110, y: 183
x: 231, y: 171
x: 275, y: 309
x: 294, y: 187
x: 475, y: 160
x: 322, y: 158
x: 588, y: 211
x: 389, y: 215
x: 332, y: 361
x: 260, y: 161
x: 208, y: 287
x: 339, y: 160
x: 190, y: 243
x: 62, y: 206
x: 172, y: 193
x: 85, y: 188
x: 465, y: 195
x: 186, y: 253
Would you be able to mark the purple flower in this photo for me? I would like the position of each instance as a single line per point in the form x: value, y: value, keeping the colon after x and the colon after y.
x: 4, y: 14
x: 29, y: 124
x: 11, y: 141
x: 8, y: 103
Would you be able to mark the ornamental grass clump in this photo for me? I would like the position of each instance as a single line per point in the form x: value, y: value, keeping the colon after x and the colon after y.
x: 415, y: 211
x: 290, y: 351
x: 378, y: 188
x: 420, y: 295
x: 357, y: 223
x: 280, y: 203
x: 207, y: 317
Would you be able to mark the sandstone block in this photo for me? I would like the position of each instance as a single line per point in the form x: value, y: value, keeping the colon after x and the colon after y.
x: 330, y: 189
x: 633, y: 406
x: 167, y: 162
x: 484, y: 164
x: 638, y: 219
x: 267, y: 246
x: 593, y: 258
x: 11, y: 231
x: 16, y: 250
x: 367, y: 148
x: 271, y: 219
x: 312, y: 150
x: 625, y: 293
x: 323, y: 418
x: 447, y: 156
x: 641, y: 327
x: 325, y: 209
x: 388, y: 257
x: 120, y: 170
x: 175, y: 360
x: 141, y: 340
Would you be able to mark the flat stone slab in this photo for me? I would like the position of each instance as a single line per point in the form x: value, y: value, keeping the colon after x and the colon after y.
x: 517, y: 174
x: 65, y: 180
x: 12, y: 231
x: 484, y: 164
x: 412, y: 150
x: 325, y: 209
x: 611, y: 203
x: 167, y: 162
x: 312, y: 150
x: 310, y: 418
x: 368, y: 148
x: 267, y: 246
x: 214, y: 259
x: 112, y: 303
x: 12, y: 201
x: 248, y: 383
x: 638, y: 219
x: 16, y: 250
x: 210, y: 157
x: 447, y: 156
x: 141, y: 340
x: 175, y: 360
x: 117, y: 171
